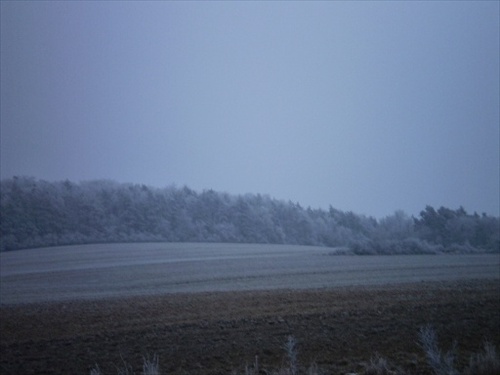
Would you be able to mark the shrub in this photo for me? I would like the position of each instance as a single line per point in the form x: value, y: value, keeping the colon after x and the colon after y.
x: 391, y: 247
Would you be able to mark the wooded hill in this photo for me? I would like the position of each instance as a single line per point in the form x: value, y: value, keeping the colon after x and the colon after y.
x: 37, y: 213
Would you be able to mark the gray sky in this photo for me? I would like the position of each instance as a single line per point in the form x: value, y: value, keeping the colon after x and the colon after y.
x: 367, y: 106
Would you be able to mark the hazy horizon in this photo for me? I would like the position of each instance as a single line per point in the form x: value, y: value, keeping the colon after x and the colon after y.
x: 368, y: 107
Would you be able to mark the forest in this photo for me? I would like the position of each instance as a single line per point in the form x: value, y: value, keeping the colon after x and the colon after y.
x: 38, y: 213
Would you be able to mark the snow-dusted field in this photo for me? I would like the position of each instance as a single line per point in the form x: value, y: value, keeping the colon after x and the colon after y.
x: 116, y: 270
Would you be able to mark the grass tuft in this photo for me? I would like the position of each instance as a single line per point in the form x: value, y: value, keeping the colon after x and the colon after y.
x: 151, y: 366
x: 484, y: 363
x: 95, y: 370
x: 441, y: 364
x: 377, y: 366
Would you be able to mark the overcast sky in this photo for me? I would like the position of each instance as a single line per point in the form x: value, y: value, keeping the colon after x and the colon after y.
x: 365, y: 106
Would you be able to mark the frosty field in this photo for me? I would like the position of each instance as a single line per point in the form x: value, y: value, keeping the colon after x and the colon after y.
x: 121, y: 270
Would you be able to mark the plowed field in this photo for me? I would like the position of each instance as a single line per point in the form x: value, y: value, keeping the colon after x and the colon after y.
x: 338, y: 326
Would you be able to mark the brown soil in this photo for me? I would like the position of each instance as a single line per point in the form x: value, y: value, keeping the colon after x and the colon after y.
x: 219, y: 333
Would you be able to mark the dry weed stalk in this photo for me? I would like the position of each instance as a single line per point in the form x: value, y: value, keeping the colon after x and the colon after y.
x: 291, y: 352
x: 486, y: 362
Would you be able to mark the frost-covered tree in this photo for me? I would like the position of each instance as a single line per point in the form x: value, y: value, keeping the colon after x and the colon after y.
x: 38, y: 213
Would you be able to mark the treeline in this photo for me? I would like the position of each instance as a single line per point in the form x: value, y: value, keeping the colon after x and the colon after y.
x: 36, y: 213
